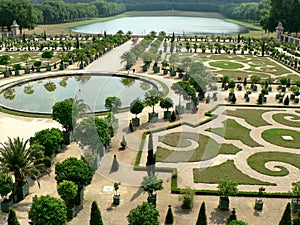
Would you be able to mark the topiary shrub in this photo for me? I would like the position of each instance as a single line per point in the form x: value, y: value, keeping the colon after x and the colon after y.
x: 173, y: 116
x: 12, y: 218
x: 47, y: 210
x: 286, y: 218
x: 169, y: 217
x: 95, y: 218
x: 202, y: 219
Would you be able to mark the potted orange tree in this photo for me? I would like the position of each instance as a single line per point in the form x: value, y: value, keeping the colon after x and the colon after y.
x: 116, y: 197
x: 68, y: 191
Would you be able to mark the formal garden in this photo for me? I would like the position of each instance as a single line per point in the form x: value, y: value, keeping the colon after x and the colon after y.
x: 253, y: 147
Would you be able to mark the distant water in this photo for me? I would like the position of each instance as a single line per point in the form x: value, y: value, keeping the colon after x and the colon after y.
x: 180, y: 25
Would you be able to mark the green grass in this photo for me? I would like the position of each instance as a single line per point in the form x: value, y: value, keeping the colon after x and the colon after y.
x: 293, y: 122
x: 208, y: 148
x: 226, y: 65
x: 234, y: 131
x: 229, y: 172
x: 258, y: 160
x: 251, y: 116
x: 274, y: 136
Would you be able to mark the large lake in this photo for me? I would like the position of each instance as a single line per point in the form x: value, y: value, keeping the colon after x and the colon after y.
x: 180, y: 25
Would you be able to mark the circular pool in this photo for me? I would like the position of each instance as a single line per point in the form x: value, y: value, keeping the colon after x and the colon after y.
x: 39, y: 94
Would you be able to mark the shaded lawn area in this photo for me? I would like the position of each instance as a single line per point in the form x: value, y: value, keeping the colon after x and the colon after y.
x: 251, y: 116
x: 207, y: 148
x: 234, y: 75
x: 234, y: 131
x: 258, y: 160
x: 226, y: 171
x: 274, y: 136
x: 294, y: 120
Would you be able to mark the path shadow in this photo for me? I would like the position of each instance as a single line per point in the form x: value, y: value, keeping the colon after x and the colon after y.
x: 219, y: 216
x: 257, y: 213
x: 137, y: 194
x: 111, y: 207
x: 180, y: 211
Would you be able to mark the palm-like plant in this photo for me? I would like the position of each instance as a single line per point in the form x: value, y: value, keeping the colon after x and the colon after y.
x: 17, y: 159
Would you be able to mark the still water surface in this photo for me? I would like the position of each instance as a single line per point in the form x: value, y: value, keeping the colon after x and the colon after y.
x: 178, y: 24
x: 40, y: 95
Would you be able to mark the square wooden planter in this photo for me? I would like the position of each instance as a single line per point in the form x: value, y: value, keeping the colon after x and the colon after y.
x: 71, y: 212
x: 67, y: 138
x: 167, y: 115
x: 6, y: 204
x: 224, y: 203
x: 135, y: 122
x: 179, y: 109
x: 116, y: 199
x: 152, y: 117
x: 48, y: 68
x: 21, y: 192
x: 259, y: 204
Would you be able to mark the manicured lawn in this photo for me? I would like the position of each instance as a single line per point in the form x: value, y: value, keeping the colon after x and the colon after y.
x: 258, y: 160
x: 234, y: 131
x: 207, y: 148
x: 226, y: 65
x: 293, y: 121
x: 251, y: 116
x: 274, y: 136
x: 227, y: 171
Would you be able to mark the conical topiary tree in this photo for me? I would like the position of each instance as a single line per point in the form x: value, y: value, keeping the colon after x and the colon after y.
x: 286, y: 218
x: 150, y: 164
x: 169, y: 218
x: 12, y: 218
x: 96, y: 218
x: 202, y: 220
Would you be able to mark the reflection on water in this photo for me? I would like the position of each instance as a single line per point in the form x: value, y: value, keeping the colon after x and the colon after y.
x: 91, y: 91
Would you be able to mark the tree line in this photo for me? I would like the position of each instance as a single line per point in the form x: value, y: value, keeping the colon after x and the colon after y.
x: 267, y: 12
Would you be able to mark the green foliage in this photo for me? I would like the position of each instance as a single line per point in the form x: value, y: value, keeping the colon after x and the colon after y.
x: 48, y: 54
x: 75, y: 170
x: 136, y: 106
x: 166, y: 103
x: 12, y: 218
x: 95, y: 218
x: 227, y: 188
x: 152, y: 184
x: 66, y: 113
x: 187, y: 198
x: 6, y: 185
x: 113, y: 103
x: 4, y: 60
x: 296, y: 188
x: 286, y: 218
x: 145, y: 214
x: 67, y: 190
x: 50, y: 139
x: 17, y: 159
x: 47, y: 210
x: 37, y: 63
x: 286, y: 100
x: 152, y: 97
x: 237, y: 222
x: 93, y: 132
x: 202, y: 219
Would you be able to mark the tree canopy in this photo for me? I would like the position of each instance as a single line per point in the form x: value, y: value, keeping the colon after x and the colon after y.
x: 145, y: 214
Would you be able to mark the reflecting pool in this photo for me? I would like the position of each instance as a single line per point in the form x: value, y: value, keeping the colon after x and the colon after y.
x: 38, y: 96
x: 180, y: 25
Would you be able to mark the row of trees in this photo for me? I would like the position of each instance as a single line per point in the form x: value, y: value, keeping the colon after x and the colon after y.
x: 28, y: 15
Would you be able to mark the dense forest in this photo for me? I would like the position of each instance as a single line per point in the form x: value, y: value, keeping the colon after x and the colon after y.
x: 266, y: 12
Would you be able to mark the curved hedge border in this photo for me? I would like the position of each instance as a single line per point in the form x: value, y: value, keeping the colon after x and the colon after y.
x: 174, y: 185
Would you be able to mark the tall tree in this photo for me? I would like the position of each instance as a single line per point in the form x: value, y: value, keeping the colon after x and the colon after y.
x: 17, y: 159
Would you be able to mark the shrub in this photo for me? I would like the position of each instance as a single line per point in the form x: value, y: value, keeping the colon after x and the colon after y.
x: 95, y: 218
x: 169, y: 217
x: 286, y: 218
x: 173, y: 116
x: 47, y: 210
x: 187, y: 198
x: 202, y: 219
x: 12, y: 218
x: 145, y: 214
x: 6, y: 185
x: 67, y: 190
